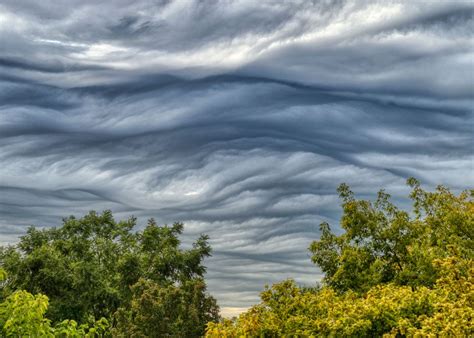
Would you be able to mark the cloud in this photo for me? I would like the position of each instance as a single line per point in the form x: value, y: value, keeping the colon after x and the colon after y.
x: 239, y: 119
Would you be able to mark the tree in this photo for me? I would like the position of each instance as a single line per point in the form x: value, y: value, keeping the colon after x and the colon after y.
x: 382, y: 243
x: 388, y: 275
x: 158, y: 311
x: 92, y: 266
x: 388, y: 310
x: 23, y: 314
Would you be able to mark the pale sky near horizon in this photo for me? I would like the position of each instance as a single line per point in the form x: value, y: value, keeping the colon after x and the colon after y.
x: 239, y: 118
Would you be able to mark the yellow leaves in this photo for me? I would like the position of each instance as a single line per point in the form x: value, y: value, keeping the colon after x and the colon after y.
x: 220, y: 330
x: 387, y: 310
x: 426, y: 265
x: 249, y: 324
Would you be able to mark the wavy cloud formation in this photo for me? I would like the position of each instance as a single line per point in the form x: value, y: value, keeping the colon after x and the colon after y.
x: 238, y: 118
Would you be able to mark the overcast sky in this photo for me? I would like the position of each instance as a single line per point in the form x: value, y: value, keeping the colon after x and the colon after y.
x: 239, y: 118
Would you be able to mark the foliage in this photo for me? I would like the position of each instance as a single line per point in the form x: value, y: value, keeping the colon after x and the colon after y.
x: 92, y: 266
x: 388, y: 275
x: 386, y: 309
x: 382, y: 243
x: 157, y: 311
x: 23, y: 314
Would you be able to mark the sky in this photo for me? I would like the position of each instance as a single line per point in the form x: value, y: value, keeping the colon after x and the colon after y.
x: 238, y: 118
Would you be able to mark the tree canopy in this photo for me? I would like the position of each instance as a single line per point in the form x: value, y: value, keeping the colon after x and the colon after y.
x: 391, y: 273
x: 382, y: 243
x: 94, y: 267
x: 23, y: 315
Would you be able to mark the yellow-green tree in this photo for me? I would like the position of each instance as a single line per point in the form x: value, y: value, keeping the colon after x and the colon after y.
x: 392, y: 273
x: 384, y: 244
x: 23, y: 315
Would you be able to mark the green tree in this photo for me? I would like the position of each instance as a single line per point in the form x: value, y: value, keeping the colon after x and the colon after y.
x: 23, y: 315
x: 89, y: 267
x: 156, y: 311
x: 382, y: 243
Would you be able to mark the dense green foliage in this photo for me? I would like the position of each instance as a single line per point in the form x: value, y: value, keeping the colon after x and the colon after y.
x: 95, y: 267
x: 391, y: 273
x: 23, y: 315
x: 157, y: 311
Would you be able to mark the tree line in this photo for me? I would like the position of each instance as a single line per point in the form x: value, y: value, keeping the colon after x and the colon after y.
x: 95, y: 276
x: 392, y: 273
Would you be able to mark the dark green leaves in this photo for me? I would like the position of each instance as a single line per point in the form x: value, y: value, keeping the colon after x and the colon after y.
x: 92, y: 266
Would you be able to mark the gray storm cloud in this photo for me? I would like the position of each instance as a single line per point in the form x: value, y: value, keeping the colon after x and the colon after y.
x: 238, y: 118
